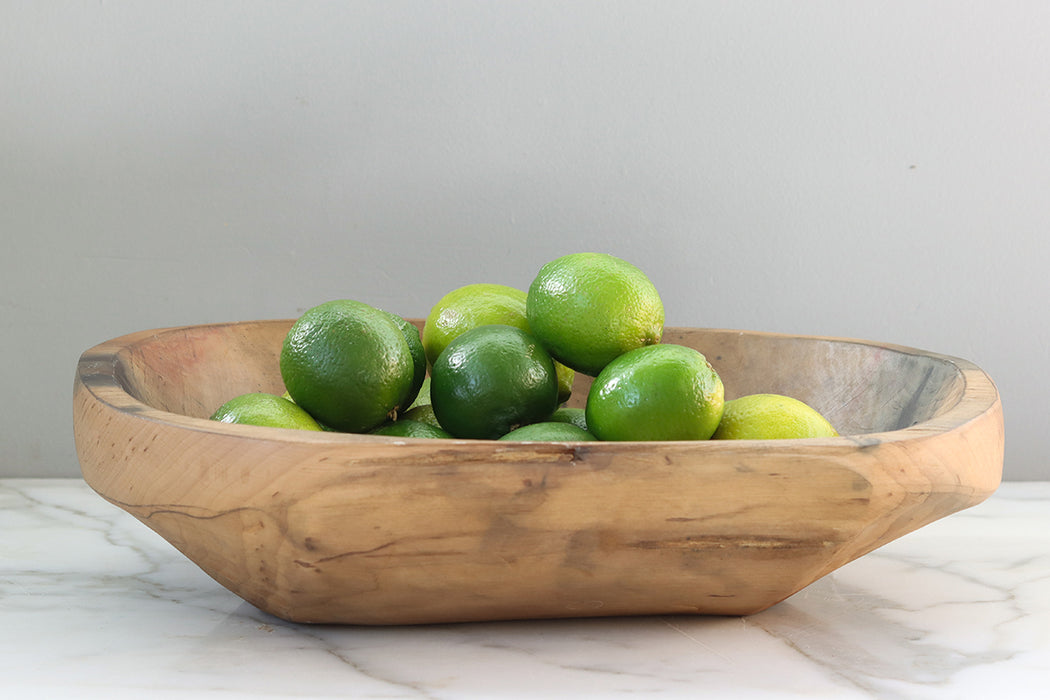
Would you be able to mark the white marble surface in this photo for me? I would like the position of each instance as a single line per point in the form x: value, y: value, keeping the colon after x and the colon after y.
x: 93, y: 604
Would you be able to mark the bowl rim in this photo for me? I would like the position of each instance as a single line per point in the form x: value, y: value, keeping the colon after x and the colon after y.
x: 99, y: 368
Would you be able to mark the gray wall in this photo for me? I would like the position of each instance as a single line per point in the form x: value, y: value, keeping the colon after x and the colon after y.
x: 874, y: 170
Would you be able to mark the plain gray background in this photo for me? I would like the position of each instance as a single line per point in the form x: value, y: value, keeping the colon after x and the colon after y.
x: 867, y: 170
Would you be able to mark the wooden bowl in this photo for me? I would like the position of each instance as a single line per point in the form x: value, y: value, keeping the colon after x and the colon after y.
x: 340, y: 528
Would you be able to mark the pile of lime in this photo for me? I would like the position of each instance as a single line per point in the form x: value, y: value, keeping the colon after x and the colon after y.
x: 494, y: 362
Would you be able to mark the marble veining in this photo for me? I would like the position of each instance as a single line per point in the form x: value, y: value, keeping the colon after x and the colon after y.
x: 94, y: 604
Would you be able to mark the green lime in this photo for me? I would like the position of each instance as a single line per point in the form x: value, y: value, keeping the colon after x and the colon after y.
x: 657, y: 392
x: 267, y: 410
x: 424, y: 413
x: 410, y: 429
x: 468, y: 307
x: 482, y: 304
x: 347, y: 364
x: 490, y: 380
x: 568, y: 414
x: 549, y: 431
x: 423, y: 397
x: 771, y: 417
x: 589, y: 308
x: 566, y: 377
x: 419, y: 357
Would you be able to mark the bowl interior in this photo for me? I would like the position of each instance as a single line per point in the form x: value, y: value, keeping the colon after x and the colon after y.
x: 860, y: 387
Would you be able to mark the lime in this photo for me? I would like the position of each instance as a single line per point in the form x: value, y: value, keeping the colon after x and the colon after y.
x: 423, y: 397
x: 482, y: 304
x: 419, y: 358
x: 589, y: 308
x: 468, y: 307
x: 490, y: 380
x: 568, y: 414
x: 566, y: 377
x: 267, y: 410
x: 549, y: 431
x: 771, y: 417
x: 410, y: 429
x: 657, y: 392
x: 424, y: 413
x: 347, y: 364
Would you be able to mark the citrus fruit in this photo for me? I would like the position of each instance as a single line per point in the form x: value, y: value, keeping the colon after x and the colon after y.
x: 568, y: 414
x: 347, y: 364
x: 482, y: 304
x: 423, y: 395
x: 419, y: 358
x: 490, y: 380
x: 566, y: 375
x: 771, y: 417
x: 410, y: 428
x: 549, y: 431
x: 468, y: 307
x: 657, y: 392
x: 424, y: 413
x: 264, y: 409
x: 588, y: 308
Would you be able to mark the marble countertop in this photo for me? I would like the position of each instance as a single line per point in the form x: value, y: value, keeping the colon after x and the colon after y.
x: 94, y: 604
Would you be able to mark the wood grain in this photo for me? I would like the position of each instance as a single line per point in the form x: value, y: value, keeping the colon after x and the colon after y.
x: 338, y: 528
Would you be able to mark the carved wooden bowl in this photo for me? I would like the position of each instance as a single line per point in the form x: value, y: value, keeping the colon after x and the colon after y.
x: 340, y: 528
